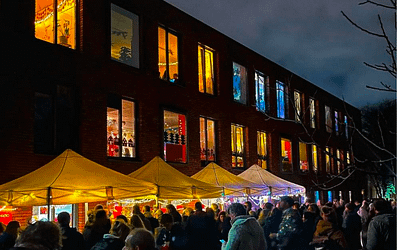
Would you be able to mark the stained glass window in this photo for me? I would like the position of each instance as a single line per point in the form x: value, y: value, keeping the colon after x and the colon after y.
x: 280, y: 99
x: 262, y: 149
x: 63, y: 30
x: 207, y: 139
x: 328, y: 119
x: 124, y: 36
x: 286, y: 155
x: 314, y: 156
x: 297, y: 105
x: 121, y: 124
x: 237, y: 143
x: 206, y: 69
x: 168, y: 59
x: 260, y: 92
x: 312, y: 113
x: 239, y: 83
x: 303, y: 156
x: 174, y: 137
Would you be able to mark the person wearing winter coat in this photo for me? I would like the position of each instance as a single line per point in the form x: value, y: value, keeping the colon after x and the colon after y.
x: 382, y: 228
x: 115, y: 239
x: 71, y: 239
x: 245, y: 233
x: 7, y: 239
x: 41, y: 235
x: 351, y: 227
x: 94, y: 231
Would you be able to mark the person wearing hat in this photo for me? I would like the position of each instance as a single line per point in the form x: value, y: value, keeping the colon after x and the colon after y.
x: 290, y: 226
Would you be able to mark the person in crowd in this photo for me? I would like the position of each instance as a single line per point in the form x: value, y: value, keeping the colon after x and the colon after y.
x: 351, y: 226
x: 253, y: 214
x: 7, y: 239
x: 71, y: 238
x: 357, y: 205
x: 296, y: 206
x: 245, y: 233
x: 210, y: 212
x: 290, y: 226
x: 140, y: 239
x: 98, y: 207
x: 146, y: 222
x: 153, y: 221
x: 115, y: 239
x: 305, y: 205
x: 223, y: 225
x: 363, y: 212
x: 312, y: 207
x: 248, y: 206
x: 262, y: 218
x: 382, y: 228
x: 329, y: 204
x: 94, y: 232
x: 163, y: 232
x: 123, y: 218
x: 327, y: 232
x: 216, y: 209
x: 339, y: 211
x: 393, y: 203
x: 272, y: 224
x: 307, y: 229
x: 201, y: 230
x: 136, y: 222
x: 175, y: 214
x: 185, y: 215
x: 2, y: 228
x: 41, y: 235
x: 157, y: 214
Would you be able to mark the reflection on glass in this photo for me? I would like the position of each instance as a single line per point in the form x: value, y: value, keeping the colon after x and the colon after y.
x: 239, y: 83
x: 168, y: 55
x: 206, y: 69
x: 297, y: 104
x: 337, y: 122
x: 286, y: 153
x: 303, y: 157
x: 128, y: 129
x: 162, y: 52
x: 312, y: 113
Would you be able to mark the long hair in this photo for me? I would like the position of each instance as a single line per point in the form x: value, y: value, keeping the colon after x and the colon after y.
x: 136, y: 222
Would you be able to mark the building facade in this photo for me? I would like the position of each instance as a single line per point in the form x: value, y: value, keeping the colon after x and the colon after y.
x: 121, y: 82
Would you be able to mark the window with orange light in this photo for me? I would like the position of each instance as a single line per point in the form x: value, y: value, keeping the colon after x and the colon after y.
x: 262, y: 149
x: 168, y: 58
x: 55, y: 22
x: 303, y: 155
x: 207, y: 140
x: 206, y: 69
x: 314, y: 156
x: 237, y: 143
x: 286, y: 155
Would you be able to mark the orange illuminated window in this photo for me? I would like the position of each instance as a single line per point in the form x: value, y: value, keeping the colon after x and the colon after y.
x: 206, y: 69
x: 314, y: 156
x: 262, y: 149
x: 237, y: 143
x: 56, y: 26
x: 207, y: 139
x: 168, y: 59
x: 286, y: 155
x: 303, y: 157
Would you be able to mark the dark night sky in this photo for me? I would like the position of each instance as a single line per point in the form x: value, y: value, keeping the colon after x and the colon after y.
x: 310, y: 38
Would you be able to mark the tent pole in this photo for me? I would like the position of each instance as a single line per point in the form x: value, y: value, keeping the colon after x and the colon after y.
x: 48, y: 202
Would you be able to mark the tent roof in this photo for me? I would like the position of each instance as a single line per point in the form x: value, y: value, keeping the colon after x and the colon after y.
x: 279, y: 186
x: 72, y: 179
x: 172, y: 183
x: 233, y: 184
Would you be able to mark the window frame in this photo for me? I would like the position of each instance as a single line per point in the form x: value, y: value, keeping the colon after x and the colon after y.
x: 111, y: 102
x: 203, y: 62
x: 206, y: 161
x: 234, y: 152
x: 167, y: 32
x: 314, y: 158
x: 135, y: 42
x: 257, y: 74
x: 336, y: 115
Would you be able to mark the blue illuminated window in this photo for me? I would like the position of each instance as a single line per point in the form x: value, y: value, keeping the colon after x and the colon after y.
x: 316, y: 196
x: 337, y: 123
x: 346, y: 127
x: 260, y: 91
x: 239, y: 83
x: 280, y: 99
x: 330, y: 196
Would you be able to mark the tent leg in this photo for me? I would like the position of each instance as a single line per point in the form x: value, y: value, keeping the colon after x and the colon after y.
x: 48, y: 203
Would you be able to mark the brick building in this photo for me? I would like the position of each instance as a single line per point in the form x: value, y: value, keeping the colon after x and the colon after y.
x: 121, y: 82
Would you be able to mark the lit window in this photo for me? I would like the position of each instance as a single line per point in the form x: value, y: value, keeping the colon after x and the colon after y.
x: 316, y: 193
x: 168, y: 55
x: 237, y: 140
x: 206, y: 70
x: 328, y: 159
x: 346, y: 127
x: 342, y: 160
x: 286, y: 154
x: 239, y: 83
x: 297, y: 105
x: 339, y: 168
x: 260, y: 92
x: 303, y: 157
x: 348, y: 158
x: 330, y: 197
x: 328, y: 119
x: 207, y: 139
x: 174, y: 137
x: 280, y: 99
x: 124, y: 111
x: 45, y: 17
x: 314, y: 156
x: 124, y: 36
x: 336, y: 122
x: 262, y: 149
x: 312, y: 113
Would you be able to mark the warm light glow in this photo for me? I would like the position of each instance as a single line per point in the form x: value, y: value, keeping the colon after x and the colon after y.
x: 262, y: 149
x: 303, y: 156
x: 314, y: 157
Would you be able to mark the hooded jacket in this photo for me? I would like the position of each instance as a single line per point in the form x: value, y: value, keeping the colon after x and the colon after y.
x: 245, y: 234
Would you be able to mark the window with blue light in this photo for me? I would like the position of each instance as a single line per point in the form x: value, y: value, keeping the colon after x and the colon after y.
x: 260, y: 92
x: 280, y: 99
x: 316, y: 193
x: 337, y: 123
x: 330, y: 196
x: 346, y: 127
x: 239, y: 83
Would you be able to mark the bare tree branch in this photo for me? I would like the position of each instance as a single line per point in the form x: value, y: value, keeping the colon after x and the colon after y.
x: 379, y: 4
x: 380, y: 89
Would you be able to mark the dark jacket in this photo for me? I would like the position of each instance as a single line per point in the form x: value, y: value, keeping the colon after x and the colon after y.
x: 202, y: 232
x: 92, y: 234
x: 109, y: 242
x: 382, y: 232
x: 351, y: 228
x: 7, y: 241
x: 289, y: 229
x: 72, y: 239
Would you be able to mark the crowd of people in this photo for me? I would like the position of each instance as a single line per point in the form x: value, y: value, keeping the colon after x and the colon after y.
x: 282, y: 226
